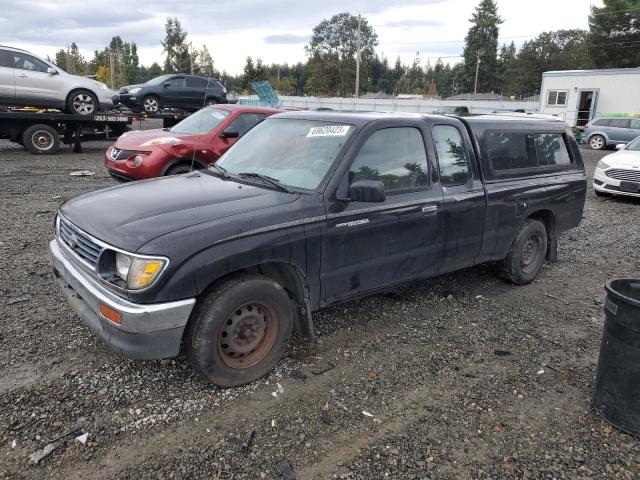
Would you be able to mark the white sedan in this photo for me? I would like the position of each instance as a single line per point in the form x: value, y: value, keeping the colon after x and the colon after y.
x: 619, y: 172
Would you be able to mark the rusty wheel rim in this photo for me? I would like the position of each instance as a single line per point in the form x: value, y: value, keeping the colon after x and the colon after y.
x: 248, y: 335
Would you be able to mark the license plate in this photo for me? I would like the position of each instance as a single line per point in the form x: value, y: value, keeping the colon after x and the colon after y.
x: 631, y: 187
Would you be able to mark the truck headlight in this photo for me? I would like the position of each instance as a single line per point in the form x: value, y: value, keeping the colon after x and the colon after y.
x: 138, y: 272
x: 602, y: 165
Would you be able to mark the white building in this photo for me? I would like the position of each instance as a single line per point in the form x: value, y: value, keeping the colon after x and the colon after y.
x: 577, y: 96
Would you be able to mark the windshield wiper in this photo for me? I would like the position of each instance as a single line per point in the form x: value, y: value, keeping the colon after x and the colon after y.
x: 265, y: 178
x: 221, y: 170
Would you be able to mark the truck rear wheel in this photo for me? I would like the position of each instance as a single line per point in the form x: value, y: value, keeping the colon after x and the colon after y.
x: 41, y: 140
x: 239, y: 330
x: 526, y: 256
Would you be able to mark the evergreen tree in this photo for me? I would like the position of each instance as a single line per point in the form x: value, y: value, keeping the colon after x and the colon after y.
x: 557, y: 50
x: 176, y: 48
x: 615, y: 34
x: 482, y: 42
x: 248, y: 74
x: 205, y: 62
x: 508, y: 70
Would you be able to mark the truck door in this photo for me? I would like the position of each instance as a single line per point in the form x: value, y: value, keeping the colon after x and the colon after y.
x: 370, y: 245
x: 7, y: 83
x: 464, y: 196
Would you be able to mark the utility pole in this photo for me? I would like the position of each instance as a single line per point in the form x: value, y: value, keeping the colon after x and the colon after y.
x: 358, y: 47
x: 111, y: 67
x: 475, y: 85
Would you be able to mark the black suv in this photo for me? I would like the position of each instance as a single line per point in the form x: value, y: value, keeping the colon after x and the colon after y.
x: 178, y: 90
x: 309, y: 209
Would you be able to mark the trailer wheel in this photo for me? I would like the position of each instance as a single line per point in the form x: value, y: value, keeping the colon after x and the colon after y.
x: 41, y: 140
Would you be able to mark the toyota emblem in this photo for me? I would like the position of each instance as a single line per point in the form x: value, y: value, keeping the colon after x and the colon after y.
x: 73, y: 241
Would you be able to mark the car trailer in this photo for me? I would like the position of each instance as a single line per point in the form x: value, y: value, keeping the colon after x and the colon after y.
x: 169, y: 117
x: 41, y: 132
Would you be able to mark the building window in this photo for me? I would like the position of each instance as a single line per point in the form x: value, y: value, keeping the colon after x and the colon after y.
x: 557, y: 97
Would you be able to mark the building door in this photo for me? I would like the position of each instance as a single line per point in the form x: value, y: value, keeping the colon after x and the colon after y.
x: 587, y: 102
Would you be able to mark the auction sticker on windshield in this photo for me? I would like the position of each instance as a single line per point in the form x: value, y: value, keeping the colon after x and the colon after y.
x: 328, y: 131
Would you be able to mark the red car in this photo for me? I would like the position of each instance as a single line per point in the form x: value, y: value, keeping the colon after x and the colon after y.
x: 201, y: 139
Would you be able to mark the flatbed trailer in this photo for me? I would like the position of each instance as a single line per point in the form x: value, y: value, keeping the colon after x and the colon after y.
x: 41, y: 132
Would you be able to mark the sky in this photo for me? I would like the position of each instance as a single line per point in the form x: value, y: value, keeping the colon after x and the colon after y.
x: 274, y: 30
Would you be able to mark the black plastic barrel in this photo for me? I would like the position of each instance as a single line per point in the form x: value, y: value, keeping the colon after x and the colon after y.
x: 617, y: 390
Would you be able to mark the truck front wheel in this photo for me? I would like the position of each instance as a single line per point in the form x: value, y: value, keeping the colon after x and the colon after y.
x: 239, y: 330
x: 526, y: 256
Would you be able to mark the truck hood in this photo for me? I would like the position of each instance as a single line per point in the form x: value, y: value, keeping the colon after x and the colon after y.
x: 133, y: 140
x: 130, y: 215
x: 623, y: 158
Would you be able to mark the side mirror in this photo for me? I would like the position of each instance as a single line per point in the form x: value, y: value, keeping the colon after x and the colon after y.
x: 52, y: 71
x: 166, y: 84
x: 367, y: 191
x: 230, y: 133
x: 620, y: 146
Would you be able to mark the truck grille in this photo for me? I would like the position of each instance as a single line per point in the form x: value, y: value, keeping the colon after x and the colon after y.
x: 118, y: 154
x: 79, y: 242
x: 623, y: 174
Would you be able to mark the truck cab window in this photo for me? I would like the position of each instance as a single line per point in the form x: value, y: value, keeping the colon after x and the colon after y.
x: 452, y: 155
x: 394, y: 156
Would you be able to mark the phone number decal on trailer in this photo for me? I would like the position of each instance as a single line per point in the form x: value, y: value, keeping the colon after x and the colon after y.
x: 111, y: 118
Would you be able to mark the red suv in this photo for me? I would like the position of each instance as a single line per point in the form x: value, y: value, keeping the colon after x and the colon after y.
x: 200, y: 139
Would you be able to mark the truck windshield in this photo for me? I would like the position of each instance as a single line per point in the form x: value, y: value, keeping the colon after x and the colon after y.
x: 202, y: 121
x: 295, y: 152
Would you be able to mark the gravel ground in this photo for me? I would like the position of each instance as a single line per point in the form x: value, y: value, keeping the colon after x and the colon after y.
x: 463, y: 376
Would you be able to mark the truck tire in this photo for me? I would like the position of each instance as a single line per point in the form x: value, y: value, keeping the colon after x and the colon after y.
x: 597, y: 142
x: 82, y: 102
x: 41, y: 140
x: 239, y: 330
x: 526, y: 256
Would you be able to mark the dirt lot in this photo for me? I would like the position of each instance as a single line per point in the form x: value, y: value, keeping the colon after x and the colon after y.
x: 463, y: 376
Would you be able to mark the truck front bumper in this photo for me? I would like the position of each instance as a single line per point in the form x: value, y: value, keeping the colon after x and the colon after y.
x: 146, y: 332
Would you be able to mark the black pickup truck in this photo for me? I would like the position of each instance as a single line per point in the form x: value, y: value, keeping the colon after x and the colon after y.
x: 309, y: 209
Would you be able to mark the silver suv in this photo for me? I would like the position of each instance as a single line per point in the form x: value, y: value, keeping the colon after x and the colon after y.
x: 607, y: 132
x: 27, y: 80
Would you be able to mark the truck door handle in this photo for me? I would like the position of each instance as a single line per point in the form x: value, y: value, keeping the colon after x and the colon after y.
x: 429, y: 209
